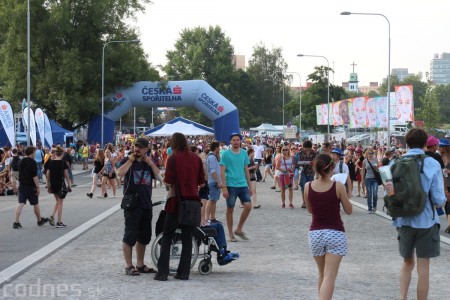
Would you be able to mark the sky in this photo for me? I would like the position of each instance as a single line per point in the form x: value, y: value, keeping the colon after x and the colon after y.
x: 419, y: 29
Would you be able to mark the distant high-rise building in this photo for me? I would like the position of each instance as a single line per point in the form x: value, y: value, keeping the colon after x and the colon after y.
x: 401, y: 73
x: 238, y: 61
x: 440, y: 69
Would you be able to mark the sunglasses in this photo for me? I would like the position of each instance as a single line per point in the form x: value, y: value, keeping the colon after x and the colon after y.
x: 285, y: 149
x: 371, y: 153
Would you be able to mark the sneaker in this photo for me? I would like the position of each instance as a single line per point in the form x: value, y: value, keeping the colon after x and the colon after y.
x: 90, y: 195
x: 51, y: 221
x: 60, y: 225
x: 42, y: 221
x: 374, y: 210
x: 17, y: 225
x: 105, y: 195
x: 303, y: 205
x: 370, y: 212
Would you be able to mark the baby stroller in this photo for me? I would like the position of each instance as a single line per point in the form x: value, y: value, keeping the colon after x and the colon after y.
x: 202, y: 236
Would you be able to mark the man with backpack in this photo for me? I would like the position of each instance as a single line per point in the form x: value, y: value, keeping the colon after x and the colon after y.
x: 416, y: 219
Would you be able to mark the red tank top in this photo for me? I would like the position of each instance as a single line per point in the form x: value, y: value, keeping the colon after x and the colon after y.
x: 325, y: 207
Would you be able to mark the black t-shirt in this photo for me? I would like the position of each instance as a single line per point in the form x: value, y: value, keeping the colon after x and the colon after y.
x: 27, y: 170
x: 66, y: 157
x: 437, y: 157
x: 56, y: 168
x: 15, y: 163
x: 140, y: 181
x: 98, y: 165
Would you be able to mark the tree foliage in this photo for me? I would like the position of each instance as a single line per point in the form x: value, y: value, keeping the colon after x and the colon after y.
x: 267, y: 68
x: 430, y: 110
x: 67, y: 39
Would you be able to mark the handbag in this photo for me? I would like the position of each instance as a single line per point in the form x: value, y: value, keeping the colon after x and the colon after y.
x: 376, y: 173
x: 64, y: 190
x: 129, y: 201
x: 189, y: 210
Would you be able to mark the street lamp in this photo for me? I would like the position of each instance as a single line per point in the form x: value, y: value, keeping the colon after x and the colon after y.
x: 28, y: 76
x: 328, y: 88
x: 300, y: 106
x: 103, y: 80
x: 347, y: 13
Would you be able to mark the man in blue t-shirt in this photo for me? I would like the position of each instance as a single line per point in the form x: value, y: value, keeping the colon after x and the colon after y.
x: 235, y: 183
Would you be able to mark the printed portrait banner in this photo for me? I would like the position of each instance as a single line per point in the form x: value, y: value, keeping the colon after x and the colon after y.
x: 48, y: 134
x: 32, y: 124
x: 365, y: 112
x: 39, y: 117
x: 7, y: 120
x: 404, y: 103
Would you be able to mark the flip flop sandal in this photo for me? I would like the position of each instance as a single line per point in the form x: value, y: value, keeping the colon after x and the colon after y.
x: 145, y: 269
x: 131, y: 271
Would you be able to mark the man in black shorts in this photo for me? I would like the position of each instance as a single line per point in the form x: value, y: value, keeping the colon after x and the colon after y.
x: 29, y: 187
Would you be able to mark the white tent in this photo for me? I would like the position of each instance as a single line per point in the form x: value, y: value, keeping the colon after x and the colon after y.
x: 266, y: 127
x: 182, y: 127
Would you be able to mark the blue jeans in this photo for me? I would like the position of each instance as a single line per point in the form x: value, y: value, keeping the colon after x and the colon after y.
x: 372, y: 193
x: 304, y: 179
x: 39, y: 170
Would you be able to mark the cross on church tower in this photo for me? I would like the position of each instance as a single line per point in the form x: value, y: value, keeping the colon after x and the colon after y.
x: 353, y: 64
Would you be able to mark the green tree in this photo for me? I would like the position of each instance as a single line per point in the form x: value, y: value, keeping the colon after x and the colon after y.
x: 202, y: 53
x: 430, y: 110
x: 267, y: 68
x: 67, y: 38
x: 443, y: 94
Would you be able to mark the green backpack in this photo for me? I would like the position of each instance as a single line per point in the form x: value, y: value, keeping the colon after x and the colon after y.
x: 409, y: 198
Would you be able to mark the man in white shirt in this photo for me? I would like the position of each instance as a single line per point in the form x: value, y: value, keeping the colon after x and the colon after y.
x: 259, y: 155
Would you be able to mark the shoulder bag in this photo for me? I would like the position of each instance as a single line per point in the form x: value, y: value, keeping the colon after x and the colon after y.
x: 189, y: 212
x: 129, y: 201
x: 376, y: 174
x: 64, y: 190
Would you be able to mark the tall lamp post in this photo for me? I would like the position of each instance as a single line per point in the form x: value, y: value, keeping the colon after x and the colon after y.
x: 347, y: 13
x: 103, y: 81
x: 299, y: 106
x: 328, y: 88
x: 28, y: 74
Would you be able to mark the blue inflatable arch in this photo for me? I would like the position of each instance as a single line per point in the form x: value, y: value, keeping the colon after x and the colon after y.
x: 194, y: 93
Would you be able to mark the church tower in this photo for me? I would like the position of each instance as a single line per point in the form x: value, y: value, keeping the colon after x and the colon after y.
x: 353, y: 82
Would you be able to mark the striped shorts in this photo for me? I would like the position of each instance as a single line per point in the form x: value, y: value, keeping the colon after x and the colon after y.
x: 327, y: 241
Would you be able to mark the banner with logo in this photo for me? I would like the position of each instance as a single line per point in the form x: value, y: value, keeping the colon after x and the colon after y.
x: 48, y: 134
x: 39, y: 117
x: 7, y: 119
x: 32, y: 124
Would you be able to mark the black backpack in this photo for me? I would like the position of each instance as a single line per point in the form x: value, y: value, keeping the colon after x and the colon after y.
x: 409, y: 198
x: 15, y: 163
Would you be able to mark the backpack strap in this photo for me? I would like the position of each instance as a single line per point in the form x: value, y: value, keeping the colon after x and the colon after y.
x: 420, y: 158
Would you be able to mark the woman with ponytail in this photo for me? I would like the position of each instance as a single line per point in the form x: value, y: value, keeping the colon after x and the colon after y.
x: 327, y: 240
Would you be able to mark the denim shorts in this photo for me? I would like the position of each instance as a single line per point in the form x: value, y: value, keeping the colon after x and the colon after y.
x: 327, y: 241
x: 233, y: 192
x: 304, y: 179
x: 214, y: 191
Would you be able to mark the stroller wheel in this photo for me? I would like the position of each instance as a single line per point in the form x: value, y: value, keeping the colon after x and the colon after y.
x: 205, y: 267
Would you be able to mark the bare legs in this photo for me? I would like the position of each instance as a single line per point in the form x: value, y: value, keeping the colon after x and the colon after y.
x: 328, y: 266
x: 58, y: 208
x: 423, y: 283
x: 244, y: 215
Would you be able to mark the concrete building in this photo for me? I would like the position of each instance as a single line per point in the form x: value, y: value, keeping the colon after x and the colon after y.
x: 440, y: 68
x: 401, y: 73
x: 373, y: 87
x: 238, y: 61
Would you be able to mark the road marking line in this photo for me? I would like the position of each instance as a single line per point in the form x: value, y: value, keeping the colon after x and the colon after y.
x: 444, y: 239
x: 13, y: 271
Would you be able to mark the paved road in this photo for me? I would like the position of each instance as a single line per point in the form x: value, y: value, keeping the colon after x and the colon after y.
x: 16, y: 244
x: 275, y: 263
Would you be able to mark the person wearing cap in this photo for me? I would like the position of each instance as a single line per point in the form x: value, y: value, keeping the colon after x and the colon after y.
x: 418, y: 236
x: 340, y: 167
x: 236, y: 181
x: 305, y: 160
x: 444, y: 150
x: 138, y: 171
x: 370, y: 165
x: 432, y: 146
